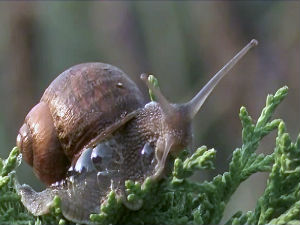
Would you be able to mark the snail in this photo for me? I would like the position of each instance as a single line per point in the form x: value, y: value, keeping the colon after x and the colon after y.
x: 92, y: 130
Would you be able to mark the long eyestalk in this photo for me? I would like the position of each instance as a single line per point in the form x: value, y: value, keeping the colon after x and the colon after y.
x: 195, y: 104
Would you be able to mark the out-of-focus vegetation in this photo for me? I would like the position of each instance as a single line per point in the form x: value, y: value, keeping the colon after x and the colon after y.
x: 182, y: 43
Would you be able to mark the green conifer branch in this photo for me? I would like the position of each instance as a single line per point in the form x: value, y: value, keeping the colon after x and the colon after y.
x: 178, y: 200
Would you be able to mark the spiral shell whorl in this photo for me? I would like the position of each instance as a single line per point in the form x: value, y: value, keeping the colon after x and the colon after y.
x: 40, y: 147
x: 24, y: 143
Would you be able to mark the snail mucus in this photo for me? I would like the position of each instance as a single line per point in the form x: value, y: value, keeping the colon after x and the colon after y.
x: 92, y: 130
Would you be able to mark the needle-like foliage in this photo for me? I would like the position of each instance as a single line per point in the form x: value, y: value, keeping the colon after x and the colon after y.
x: 178, y: 200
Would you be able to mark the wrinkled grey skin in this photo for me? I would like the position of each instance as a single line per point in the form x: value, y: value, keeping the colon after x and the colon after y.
x: 101, y: 169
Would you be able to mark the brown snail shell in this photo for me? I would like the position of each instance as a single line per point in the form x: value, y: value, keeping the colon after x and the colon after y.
x: 78, y: 105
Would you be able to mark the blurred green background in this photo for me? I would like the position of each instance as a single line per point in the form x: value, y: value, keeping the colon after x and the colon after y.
x: 182, y: 43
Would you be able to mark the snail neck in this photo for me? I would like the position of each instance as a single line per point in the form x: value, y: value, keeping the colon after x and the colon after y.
x: 177, y: 128
x: 174, y: 127
x: 171, y: 131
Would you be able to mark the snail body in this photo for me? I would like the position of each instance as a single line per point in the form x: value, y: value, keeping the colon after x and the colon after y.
x: 92, y: 131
